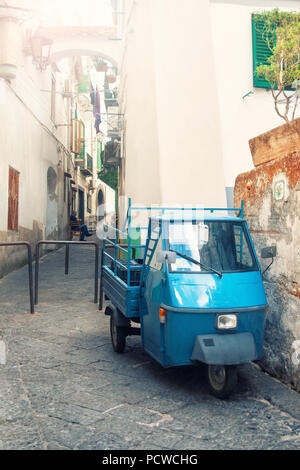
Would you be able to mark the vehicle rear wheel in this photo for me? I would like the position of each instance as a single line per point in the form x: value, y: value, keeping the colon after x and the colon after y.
x: 118, y: 336
x: 221, y: 380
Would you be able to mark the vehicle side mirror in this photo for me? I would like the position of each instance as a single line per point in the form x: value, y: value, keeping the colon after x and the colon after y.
x: 166, y: 257
x: 269, y: 252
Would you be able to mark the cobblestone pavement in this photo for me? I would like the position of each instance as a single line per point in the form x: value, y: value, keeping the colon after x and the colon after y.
x: 63, y: 387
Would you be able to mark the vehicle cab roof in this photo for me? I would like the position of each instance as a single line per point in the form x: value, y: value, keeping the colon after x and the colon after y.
x: 189, y: 216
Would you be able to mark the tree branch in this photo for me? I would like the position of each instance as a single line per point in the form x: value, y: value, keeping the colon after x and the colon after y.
x: 296, y: 104
x: 275, y: 97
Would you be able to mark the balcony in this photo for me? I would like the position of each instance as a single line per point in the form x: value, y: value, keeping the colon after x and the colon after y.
x: 87, y: 168
x: 110, y: 99
x: 112, y: 156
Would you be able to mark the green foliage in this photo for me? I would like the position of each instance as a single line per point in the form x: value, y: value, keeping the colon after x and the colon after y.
x: 110, y: 177
x: 281, y: 31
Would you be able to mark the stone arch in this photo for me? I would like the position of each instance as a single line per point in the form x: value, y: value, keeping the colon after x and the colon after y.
x: 83, y: 40
x: 68, y: 43
x: 57, y: 56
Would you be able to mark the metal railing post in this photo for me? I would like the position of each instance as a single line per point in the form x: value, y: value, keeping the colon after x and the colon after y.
x: 67, y: 256
x: 30, y: 277
x: 67, y: 243
x: 36, y: 273
x: 101, y: 277
x: 96, y: 273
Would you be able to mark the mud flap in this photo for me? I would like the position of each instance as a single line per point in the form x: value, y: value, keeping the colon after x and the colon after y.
x: 224, y: 349
x: 119, y: 318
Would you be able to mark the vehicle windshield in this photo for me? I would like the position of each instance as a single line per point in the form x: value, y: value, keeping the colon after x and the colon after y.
x: 221, y: 246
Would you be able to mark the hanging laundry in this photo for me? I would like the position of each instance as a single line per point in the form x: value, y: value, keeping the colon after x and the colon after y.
x: 97, y: 103
x: 97, y: 123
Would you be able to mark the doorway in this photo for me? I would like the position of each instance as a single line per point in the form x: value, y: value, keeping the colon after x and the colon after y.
x: 81, y: 204
x: 100, y: 207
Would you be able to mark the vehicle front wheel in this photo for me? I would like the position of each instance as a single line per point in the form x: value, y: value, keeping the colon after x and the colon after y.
x: 221, y: 380
x: 118, y: 336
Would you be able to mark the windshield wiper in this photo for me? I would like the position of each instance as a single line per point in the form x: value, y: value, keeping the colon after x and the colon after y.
x: 208, y: 268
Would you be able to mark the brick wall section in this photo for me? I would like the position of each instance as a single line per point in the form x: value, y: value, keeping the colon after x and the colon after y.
x: 275, y: 143
x: 272, y: 210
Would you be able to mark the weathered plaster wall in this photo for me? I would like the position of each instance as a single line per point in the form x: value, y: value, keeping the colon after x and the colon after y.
x: 272, y: 210
x: 29, y: 146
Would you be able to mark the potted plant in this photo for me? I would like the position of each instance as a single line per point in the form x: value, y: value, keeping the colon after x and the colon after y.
x: 281, y: 33
x: 111, y: 78
x: 100, y: 64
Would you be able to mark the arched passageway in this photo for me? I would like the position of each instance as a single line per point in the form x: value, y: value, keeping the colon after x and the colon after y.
x: 83, y: 41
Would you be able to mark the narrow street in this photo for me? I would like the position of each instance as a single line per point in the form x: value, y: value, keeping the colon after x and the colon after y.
x: 63, y: 387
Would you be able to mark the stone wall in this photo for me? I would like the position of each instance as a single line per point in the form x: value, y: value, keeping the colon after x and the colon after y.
x: 14, y: 257
x: 271, y: 194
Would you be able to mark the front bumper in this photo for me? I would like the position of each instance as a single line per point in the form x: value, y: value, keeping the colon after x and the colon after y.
x: 224, y: 349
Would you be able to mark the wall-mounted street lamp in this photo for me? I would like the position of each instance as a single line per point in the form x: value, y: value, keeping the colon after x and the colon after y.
x: 40, y: 47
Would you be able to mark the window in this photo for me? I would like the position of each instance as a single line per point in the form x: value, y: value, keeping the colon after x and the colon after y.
x: 89, y: 203
x: 225, y: 248
x: 99, y: 152
x: 82, y: 141
x: 263, y: 41
x: 261, y: 51
x: 243, y: 254
x: 78, y: 138
x: 73, y: 202
x: 154, y: 263
x: 13, y: 200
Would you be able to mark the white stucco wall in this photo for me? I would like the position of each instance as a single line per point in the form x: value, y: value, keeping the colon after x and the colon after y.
x: 185, y: 69
x: 241, y: 119
x: 138, y: 103
x: 27, y: 148
x: 168, y: 94
x: 29, y: 143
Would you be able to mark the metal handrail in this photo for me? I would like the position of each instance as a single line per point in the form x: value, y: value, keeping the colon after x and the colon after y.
x: 166, y: 208
x: 130, y: 246
x: 67, y: 244
x: 30, y: 277
x: 211, y: 209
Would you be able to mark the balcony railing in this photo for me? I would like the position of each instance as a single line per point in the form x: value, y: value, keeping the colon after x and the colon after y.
x: 87, y: 168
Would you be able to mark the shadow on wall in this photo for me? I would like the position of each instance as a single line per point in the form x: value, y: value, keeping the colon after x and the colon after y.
x: 51, y: 231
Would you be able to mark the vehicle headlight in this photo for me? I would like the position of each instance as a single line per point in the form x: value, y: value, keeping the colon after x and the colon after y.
x: 226, y: 322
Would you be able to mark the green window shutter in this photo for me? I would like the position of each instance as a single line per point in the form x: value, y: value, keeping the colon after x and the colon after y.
x: 84, y: 85
x: 99, y: 151
x: 261, y: 52
x: 82, y: 152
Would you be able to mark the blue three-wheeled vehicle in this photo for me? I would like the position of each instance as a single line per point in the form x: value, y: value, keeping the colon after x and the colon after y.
x: 197, y: 291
